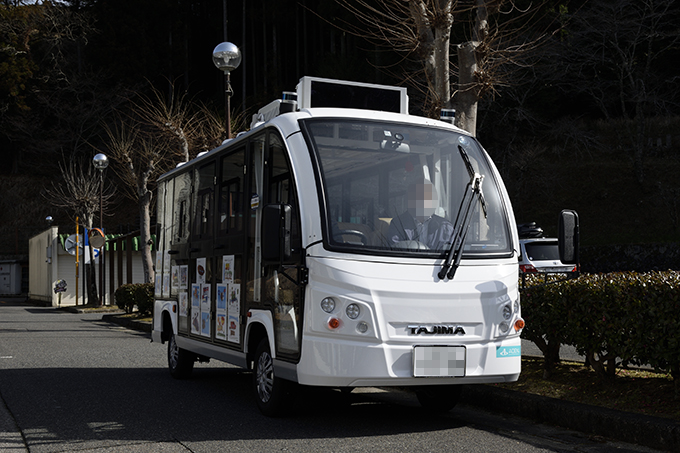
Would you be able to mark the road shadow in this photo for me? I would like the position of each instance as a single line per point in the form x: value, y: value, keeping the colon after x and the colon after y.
x: 144, y: 404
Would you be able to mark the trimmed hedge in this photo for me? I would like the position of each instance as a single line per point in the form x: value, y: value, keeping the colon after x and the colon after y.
x: 612, y: 319
x: 144, y: 293
x: 125, y: 297
x: 135, y: 294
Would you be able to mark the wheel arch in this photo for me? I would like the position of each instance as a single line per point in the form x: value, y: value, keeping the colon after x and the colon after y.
x: 168, y: 327
x: 167, y: 321
x: 260, y: 326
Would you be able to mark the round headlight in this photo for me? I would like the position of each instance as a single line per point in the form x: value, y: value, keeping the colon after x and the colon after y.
x: 362, y: 327
x: 516, y: 306
x: 328, y: 304
x: 507, y: 312
x: 504, y: 327
x: 353, y: 311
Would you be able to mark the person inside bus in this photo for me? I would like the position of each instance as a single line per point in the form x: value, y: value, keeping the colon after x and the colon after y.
x: 419, y: 222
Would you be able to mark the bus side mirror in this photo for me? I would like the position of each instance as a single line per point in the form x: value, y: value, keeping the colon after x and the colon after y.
x: 568, y: 237
x: 276, y: 222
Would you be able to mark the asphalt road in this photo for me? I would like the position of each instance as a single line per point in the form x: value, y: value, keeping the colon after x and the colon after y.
x: 71, y: 382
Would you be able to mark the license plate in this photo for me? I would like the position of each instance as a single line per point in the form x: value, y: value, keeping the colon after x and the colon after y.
x: 439, y: 361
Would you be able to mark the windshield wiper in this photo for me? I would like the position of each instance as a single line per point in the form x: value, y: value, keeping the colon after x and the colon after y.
x: 462, y: 224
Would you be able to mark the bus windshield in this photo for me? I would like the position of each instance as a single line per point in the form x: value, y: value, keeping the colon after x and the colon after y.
x: 397, y: 188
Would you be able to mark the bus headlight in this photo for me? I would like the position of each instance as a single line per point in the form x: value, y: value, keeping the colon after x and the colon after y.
x: 362, y: 327
x: 353, y: 311
x: 504, y: 327
x: 507, y: 312
x: 328, y: 304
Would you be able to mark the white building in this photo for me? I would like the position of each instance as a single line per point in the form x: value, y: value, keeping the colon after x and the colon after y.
x: 50, y: 262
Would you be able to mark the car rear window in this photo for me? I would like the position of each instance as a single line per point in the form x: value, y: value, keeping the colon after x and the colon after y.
x: 540, y: 251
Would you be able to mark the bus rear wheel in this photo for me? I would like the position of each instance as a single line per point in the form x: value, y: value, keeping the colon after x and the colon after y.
x: 270, y: 390
x: 180, y: 361
x: 438, y: 398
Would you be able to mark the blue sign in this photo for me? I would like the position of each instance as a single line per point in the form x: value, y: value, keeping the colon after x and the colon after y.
x: 508, y: 351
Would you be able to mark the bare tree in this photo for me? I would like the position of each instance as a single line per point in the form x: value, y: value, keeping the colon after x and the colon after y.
x: 80, y: 194
x: 150, y: 138
x: 617, y: 55
x: 421, y: 30
x: 49, y: 100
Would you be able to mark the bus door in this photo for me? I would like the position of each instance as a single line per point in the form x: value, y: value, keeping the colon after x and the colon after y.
x: 275, y: 286
x: 229, y: 247
x: 177, y: 244
x: 202, y: 263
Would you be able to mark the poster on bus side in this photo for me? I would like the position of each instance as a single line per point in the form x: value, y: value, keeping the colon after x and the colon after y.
x: 200, y: 270
x: 234, y: 308
x: 175, y: 278
x: 159, y: 274
x: 184, y: 277
x: 166, y: 283
x: 228, y: 269
x: 195, y: 308
x: 221, y: 312
x: 183, y: 303
x: 205, y: 310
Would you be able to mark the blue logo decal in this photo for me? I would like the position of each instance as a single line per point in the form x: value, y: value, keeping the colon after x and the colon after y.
x: 508, y: 351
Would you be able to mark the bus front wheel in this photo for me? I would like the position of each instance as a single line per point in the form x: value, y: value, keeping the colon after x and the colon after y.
x: 270, y: 390
x: 180, y: 361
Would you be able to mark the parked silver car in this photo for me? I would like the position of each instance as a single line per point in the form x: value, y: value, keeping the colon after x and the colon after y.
x: 541, y: 255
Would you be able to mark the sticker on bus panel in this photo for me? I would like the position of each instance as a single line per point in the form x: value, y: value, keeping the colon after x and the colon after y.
x: 508, y: 351
x: 439, y: 361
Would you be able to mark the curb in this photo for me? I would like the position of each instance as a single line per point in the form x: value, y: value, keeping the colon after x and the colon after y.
x: 143, y: 326
x: 77, y: 309
x: 644, y: 430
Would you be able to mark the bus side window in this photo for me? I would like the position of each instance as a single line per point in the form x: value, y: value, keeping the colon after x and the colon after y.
x: 230, y: 210
x: 205, y: 179
x: 281, y: 187
x: 181, y: 211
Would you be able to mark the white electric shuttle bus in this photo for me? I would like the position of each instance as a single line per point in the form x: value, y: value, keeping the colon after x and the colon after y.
x: 343, y: 243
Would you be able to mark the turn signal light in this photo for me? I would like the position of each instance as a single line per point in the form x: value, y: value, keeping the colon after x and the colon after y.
x: 519, y: 324
x: 334, y: 323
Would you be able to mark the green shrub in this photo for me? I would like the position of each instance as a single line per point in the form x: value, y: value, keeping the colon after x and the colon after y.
x: 125, y: 297
x: 611, y: 319
x: 544, y: 307
x: 144, y: 293
x: 596, y: 320
x: 135, y: 294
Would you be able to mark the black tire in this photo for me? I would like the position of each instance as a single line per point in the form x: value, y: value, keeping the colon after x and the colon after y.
x: 180, y: 361
x: 439, y: 398
x: 271, y: 392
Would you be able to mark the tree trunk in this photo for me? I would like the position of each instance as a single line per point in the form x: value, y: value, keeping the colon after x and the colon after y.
x: 466, y: 96
x: 441, y: 56
x: 603, y: 365
x: 468, y: 58
x: 425, y: 39
x: 145, y: 236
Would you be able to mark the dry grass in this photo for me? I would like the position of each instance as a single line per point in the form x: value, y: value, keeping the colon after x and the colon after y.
x: 632, y: 390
